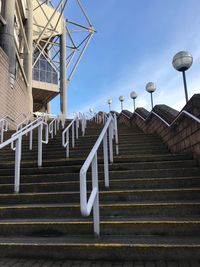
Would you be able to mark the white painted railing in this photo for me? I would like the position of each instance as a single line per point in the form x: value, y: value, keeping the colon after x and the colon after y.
x: 25, y: 122
x: 83, y: 121
x: 16, y: 143
x: 54, y: 126
x: 183, y: 112
x: 3, y: 128
x: 65, y: 134
x: 106, y: 136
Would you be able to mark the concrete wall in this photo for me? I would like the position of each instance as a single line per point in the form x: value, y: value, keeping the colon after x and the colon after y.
x: 14, y: 101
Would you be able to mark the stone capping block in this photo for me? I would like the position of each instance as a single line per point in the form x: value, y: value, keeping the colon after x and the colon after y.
x: 166, y: 112
x: 142, y: 112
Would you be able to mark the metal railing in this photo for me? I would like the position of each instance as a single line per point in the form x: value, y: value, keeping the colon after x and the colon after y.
x: 25, y: 122
x: 16, y: 143
x: 54, y: 126
x: 106, y: 136
x: 65, y: 134
x: 183, y: 112
x: 3, y: 128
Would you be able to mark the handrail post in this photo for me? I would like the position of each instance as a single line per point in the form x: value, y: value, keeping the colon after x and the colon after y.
x: 116, y: 134
x: 105, y: 152
x: 77, y: 127
x: 2, y: 132
x: 73, y: 135
x: 67, y: 147
x: 31, y: 140
x: 40, y: 146
x: 110, y: 144
x: 96, y: 202
x: 17, y: 163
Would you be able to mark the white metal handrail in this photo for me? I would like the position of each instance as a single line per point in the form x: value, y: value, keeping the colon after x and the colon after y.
x: 17, y: 139
x: 65, y: 134
x: 108, y: 132
x: 54, y: 126
x: 3, y: 128
x: 183, y: 112
x: 25, y: 122
x: 83, y: 120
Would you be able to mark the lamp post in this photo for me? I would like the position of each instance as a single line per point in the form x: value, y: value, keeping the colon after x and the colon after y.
x: 121, y: 99
x: 133, y: 95
x: 109, y: 103
x: 151, y: 87
x: 182, y: 61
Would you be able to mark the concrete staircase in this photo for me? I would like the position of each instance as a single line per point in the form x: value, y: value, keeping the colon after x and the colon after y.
x: 150, y: 212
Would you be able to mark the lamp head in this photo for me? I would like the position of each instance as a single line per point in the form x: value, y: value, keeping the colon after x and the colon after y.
x: 182, y: 61
x: 121, y: 98
x: 150, y: 87
x: 133, y: 95
x: 109, y: 101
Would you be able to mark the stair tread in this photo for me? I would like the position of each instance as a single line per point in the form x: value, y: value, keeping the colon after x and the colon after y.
x: 101, y: 192
x: 126, y: 204
x: 116, y: 241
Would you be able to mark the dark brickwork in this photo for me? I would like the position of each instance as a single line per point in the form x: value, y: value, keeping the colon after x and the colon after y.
x: 184, y: 136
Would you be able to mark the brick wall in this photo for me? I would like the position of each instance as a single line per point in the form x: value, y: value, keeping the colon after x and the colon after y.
x: 184, y: 136
x: 124, y: 117
x: 14, y: 101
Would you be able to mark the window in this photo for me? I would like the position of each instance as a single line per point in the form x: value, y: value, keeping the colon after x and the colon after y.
x: 43, y: 70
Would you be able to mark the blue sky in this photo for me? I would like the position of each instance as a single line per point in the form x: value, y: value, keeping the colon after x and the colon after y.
x: 134, y: 44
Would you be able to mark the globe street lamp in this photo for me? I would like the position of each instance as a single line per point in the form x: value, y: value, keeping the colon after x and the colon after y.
x: 90, y: 110
x: 133, y: 95
x: 109, y: 103
x: 151, y: 87
x: 121, y: 99
x: 182, y: 61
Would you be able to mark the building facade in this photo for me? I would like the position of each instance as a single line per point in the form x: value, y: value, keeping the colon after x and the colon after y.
x: 34, y: 55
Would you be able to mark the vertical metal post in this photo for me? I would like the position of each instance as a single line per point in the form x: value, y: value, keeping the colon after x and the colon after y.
x: 105, y: 156
x: 134, y: 104
x: 31, y: 140
x: 109, y: 108
x: 151, y: 100
x: 63, y: 76
x: 110, y: 144
x: 116, y: 134
x: 121, y: 105
x: 73, y: 135
x: 96, y: 202
x: 77, y: 122
x: 29, y: 54
x: 40, y: 146
x: 17, y: 163
x: 55, y: 127
x: 67, y: 147
x: 2, y: 132
x: 185, y: 86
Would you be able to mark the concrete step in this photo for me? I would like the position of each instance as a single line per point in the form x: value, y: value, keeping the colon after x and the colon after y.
x: 104, y: 248
x: 112, y: 210
x: 117, y: 159
x: 113, y: 167
x: 111, y: 196
x: 139, y: 226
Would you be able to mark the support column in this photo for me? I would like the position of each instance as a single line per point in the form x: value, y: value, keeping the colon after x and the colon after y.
x: 28, y: 55
x: 49, y: 108
x: 63, y: 76
x: 7, y: 36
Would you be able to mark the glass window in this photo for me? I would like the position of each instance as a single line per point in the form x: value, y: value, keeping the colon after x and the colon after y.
x: 43, y: 70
